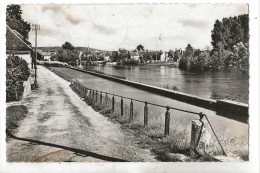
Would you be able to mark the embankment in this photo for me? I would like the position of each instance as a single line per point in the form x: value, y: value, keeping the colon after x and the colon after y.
x: 220, y: 106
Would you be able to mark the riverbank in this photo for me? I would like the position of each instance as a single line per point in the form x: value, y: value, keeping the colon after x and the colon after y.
x: 163, y: 147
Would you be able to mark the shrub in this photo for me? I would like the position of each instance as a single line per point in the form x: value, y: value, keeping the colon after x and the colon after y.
x: 17, y: 72
x: 130, y: 62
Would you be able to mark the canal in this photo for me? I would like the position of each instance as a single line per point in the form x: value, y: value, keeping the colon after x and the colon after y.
x: 219, y: 85
x: 220, y: 124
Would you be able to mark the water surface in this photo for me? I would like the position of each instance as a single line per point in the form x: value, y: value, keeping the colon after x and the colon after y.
x: 228, y: 85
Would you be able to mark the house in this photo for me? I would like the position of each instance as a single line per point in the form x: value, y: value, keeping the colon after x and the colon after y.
x: 47, y: 55
x: 106, y: 56
x: 164, y: 57
x: 134, y: 55
x: 17, y: 45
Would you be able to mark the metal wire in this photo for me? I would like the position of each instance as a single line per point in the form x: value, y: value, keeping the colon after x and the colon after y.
x: 167, y: 107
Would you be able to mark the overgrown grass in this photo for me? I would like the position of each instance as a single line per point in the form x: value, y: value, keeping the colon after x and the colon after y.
x: 14, y: 115
x: 152, y: 136
x: 235, y: 146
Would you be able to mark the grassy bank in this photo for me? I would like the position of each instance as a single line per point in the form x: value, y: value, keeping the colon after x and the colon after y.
x: 176, y: 146
x: 14, y: 116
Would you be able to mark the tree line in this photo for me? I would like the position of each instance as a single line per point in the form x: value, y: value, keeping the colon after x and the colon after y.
x: 230, y: 48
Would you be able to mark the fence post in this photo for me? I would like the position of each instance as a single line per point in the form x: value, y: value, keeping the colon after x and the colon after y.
x: 131, y: 110
x: 93, y: 96
x: 101, y: 98
x: 86, y: 95
x: 106, y: 100
x: 113, y: 103
x: 167, y: 122
x: 145, y: 114
x: 85, y: 91
x: 96, y: 96
x: 122, y: 107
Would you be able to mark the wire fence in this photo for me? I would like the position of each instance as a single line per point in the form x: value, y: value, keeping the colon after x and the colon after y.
x: 115, y: 103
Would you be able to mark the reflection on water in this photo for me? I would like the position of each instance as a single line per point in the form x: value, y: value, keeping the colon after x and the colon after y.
x: 217, y: 85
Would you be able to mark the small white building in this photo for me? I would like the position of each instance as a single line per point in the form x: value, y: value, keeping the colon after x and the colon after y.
x: 47, y: 55
x: 135, y: 55
x: 164, y: 57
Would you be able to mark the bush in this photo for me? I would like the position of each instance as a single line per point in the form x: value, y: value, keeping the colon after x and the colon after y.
x: 17, y: 71
x: 130, y: 62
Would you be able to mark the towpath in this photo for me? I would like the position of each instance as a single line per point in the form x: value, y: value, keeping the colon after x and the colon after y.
x: 60, y: 127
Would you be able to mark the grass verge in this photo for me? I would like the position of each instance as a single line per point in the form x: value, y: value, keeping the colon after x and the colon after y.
x: 173, y: 148
x: 14, y: 115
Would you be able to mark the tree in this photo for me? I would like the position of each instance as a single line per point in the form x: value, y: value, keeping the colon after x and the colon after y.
x: 140, y: 47
x: 68, y: 45
x: 188, y: 51
x: 14, y: 20
x: 230, y: 31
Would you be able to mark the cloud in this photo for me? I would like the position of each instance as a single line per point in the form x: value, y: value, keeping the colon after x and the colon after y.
x: 72, y: 19
x: 103, y: 29
x: 62, y: 10
x: 193, y: 23
x: 109, y: 27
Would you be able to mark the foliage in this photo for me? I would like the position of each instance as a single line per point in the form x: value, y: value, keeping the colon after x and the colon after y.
x: 68, y: 45
x: 66, y: 54
x: 230, y: 31
x: 17, y: 72
x: 140, y: 47
x: 230, y: 48
x: 130, y: 62
x: 15, y: 21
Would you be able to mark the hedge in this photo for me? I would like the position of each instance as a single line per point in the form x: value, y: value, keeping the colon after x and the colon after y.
x: 17, y: 71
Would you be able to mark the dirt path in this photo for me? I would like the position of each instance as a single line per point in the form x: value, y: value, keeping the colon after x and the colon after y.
x: 61, y: 127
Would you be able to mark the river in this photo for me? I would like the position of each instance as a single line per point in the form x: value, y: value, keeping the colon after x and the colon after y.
x: 222, y: 85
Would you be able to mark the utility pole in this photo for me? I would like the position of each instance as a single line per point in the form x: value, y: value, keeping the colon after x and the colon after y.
x: 35, y: 28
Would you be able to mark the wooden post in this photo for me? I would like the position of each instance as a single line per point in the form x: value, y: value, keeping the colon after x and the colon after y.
x: 96, y: 96
x: 145, y: 114
x: 131, y: 110
x: 106, y: 100
x: 85, y: 91
x: 202, y: 138
x: 122, y: 107
x: 86, y: 95
x: 167, y: 122
x: 113, y: 103
x: 101, y: 98
x: 93, y: 96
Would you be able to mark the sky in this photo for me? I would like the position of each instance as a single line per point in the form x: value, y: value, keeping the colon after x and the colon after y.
x: 109, y: 27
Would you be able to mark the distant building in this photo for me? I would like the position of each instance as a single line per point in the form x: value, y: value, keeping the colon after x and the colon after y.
x: 164, y: 57
x: 17, y: 45
x: 47, y: 55
x: 134, y: 55
x: 106, y: 56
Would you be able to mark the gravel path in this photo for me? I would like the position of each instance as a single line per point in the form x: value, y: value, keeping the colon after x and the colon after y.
x: 61, y: 127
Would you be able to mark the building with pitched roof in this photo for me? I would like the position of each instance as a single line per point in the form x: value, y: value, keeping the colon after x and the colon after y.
x: 17, y: 45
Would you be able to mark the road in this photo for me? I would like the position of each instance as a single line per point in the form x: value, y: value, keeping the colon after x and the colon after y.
x: 60, y: 127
